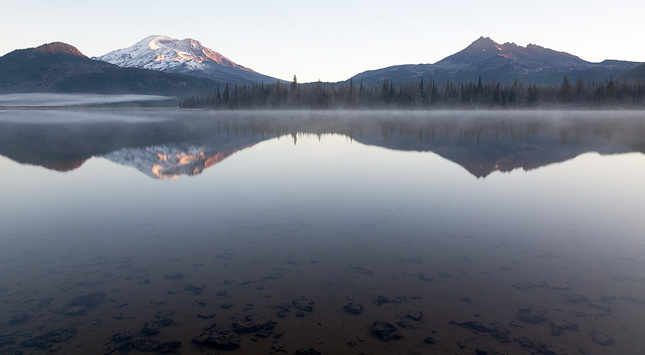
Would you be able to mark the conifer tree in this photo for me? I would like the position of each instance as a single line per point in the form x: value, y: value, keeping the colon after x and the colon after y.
x: 565, y: 90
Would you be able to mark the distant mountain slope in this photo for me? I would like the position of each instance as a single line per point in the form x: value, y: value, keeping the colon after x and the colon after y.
x: 60, y: 67
x: 637, y: 73
x: 501, y: 62
x: 186, y: 56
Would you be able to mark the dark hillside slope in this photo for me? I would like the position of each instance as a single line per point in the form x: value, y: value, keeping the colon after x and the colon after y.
x: 60, y: 67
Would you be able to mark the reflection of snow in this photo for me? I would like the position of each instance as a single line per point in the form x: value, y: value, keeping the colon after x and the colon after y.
x: 168, y: 162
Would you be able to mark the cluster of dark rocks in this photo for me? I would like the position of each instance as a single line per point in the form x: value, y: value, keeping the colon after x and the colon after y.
x: 385, y: 331
x: 193, y: 288
x: 229, y: 337
x: 218, y: 338
x: 302, y: 304
x: 535, y: 315
x: 222, y: 339
x: 124, y: 343
x: 162, y: 319
x: 47, y: 340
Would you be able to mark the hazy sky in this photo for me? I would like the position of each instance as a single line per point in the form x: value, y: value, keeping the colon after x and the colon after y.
x: 330, y: 40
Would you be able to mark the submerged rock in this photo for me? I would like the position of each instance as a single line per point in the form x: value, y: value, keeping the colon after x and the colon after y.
x: 176, y: 276
x: 487, y: 351
x: 500, y: 334
x: 354, y: 308
x: 219, y: 339
x: 430, y: 340
x: 18, y: 318
x: 166, y: 313
x: 264, y: 334
x: 72, y: 310
x: 252, y: 324
x: 385, y: 331
x: 525, y: 341
x: 152, y: 327
x: 192, y: 288
x: 145, y: 345
x: 121, y: 337
x: 399, y: 299
x: 601, y: 338
x: 91, y: 300
x: 474, y: 327
x: 47, y: 340
x: 406, y: 324
x: 576, y: 298
x: 558, y: 327
x: 169, y: 346
x: 303, y: 304
x: 415, y: 315
x: 533, y: 314
x: 380, y: 299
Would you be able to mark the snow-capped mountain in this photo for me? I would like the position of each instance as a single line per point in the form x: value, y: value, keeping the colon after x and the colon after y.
x: 186, y: 56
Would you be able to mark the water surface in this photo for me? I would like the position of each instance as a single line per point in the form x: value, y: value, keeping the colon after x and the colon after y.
x: 506, y: 231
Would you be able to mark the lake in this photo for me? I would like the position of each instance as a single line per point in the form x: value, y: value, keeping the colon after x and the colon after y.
x: 295, y: 232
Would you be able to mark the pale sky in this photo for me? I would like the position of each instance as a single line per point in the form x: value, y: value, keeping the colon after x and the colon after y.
x: 330, y: 40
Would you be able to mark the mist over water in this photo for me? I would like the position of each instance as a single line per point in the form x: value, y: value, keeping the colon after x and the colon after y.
x: 60, y: 100
x: 515, y: 232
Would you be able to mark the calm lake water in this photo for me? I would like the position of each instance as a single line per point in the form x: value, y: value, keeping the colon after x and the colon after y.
x: 343, y: 232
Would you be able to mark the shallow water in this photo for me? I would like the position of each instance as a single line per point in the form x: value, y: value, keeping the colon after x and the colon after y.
x: 497, y: 227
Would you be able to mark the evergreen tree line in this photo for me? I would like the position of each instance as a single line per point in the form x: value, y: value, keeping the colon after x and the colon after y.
x: 422, y: 95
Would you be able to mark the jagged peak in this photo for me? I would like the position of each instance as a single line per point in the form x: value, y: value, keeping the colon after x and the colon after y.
x: 483, y: 42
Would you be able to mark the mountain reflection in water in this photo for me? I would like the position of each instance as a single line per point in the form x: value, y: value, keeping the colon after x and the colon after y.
x: 169, y: 144
x: 332, y: 232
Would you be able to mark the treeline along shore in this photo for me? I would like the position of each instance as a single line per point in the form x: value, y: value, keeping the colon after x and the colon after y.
x: 423, y: 95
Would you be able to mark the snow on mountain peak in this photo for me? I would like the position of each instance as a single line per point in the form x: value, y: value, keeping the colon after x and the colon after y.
x: 165, y: 53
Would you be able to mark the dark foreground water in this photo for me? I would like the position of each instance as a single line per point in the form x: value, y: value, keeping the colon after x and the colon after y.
x: 347, y: 233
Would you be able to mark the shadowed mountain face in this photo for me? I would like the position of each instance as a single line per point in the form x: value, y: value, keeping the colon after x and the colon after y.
x: 501, y: 62
x: 637, y: 73
x: 169, y: 144
x: 60, y: 67
x: 485, y: 55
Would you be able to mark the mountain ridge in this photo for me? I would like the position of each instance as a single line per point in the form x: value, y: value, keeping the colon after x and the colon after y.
x: 505, y: 62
